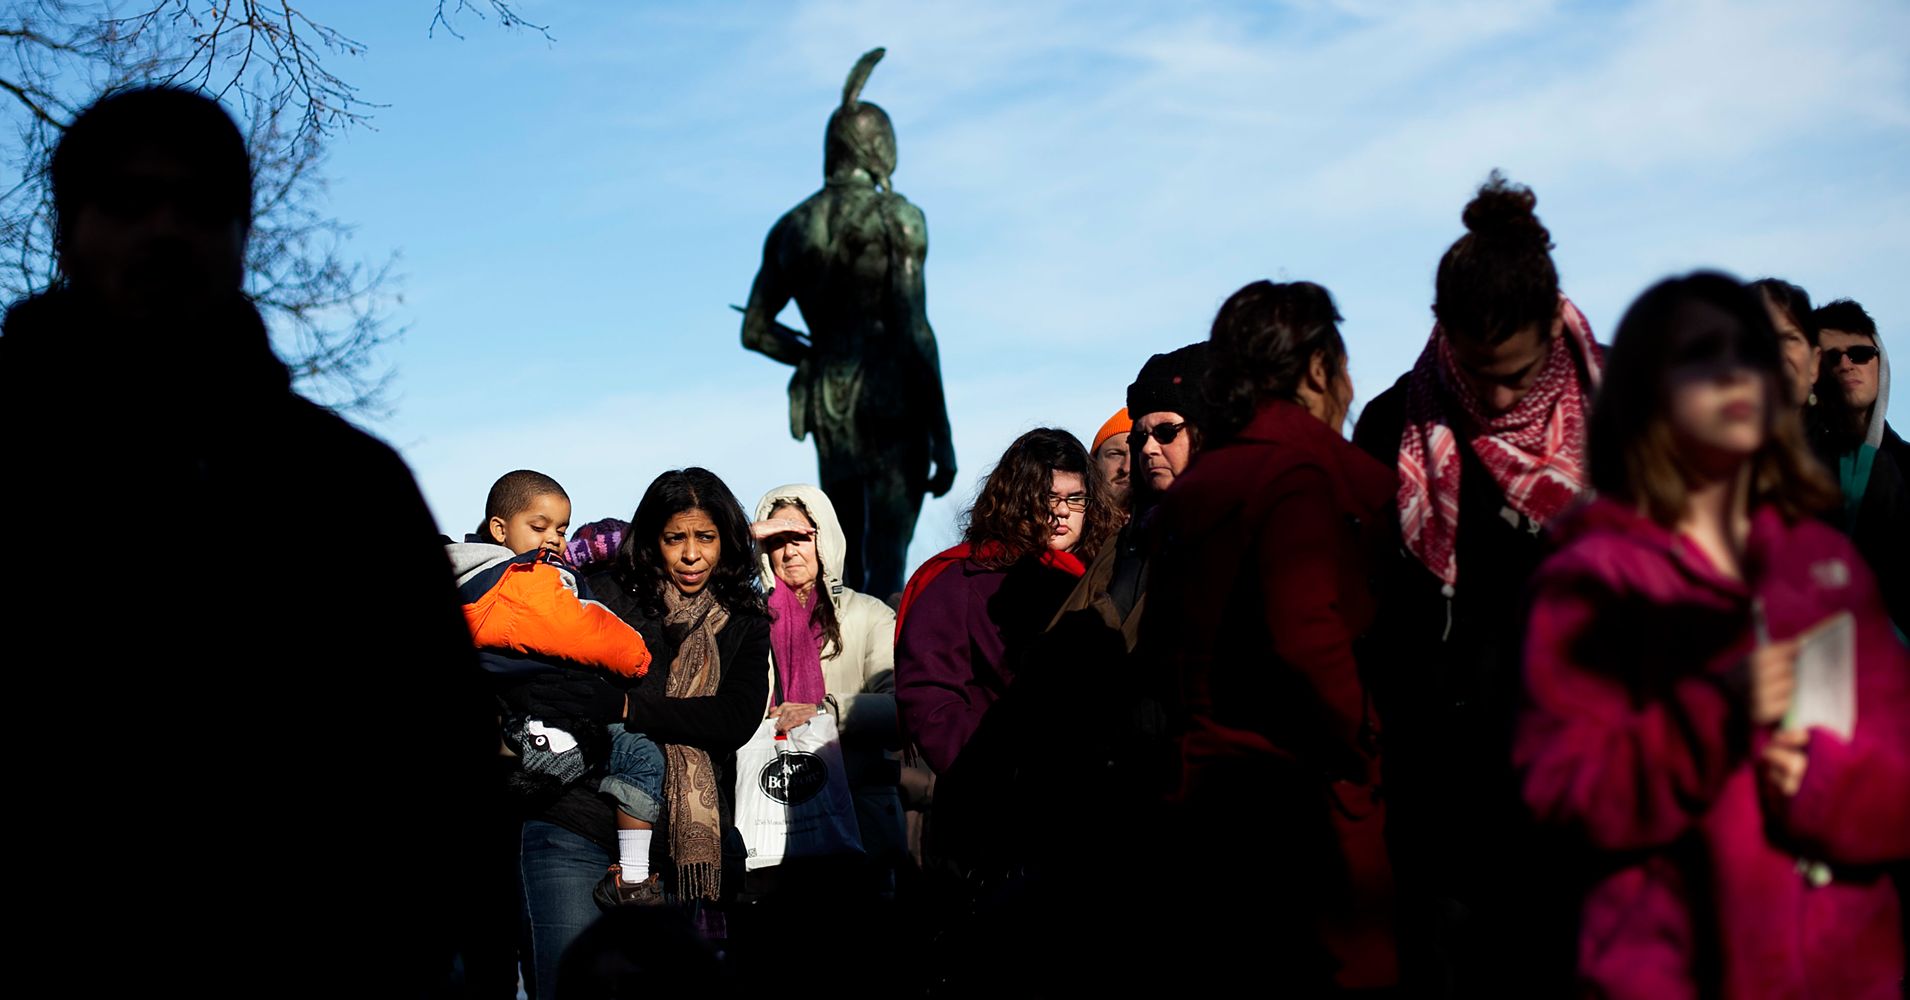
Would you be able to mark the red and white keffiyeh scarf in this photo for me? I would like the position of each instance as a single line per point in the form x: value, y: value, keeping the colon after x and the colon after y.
x: 1534, y: 451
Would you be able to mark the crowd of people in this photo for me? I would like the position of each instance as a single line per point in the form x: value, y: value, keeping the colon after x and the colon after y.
x: 1500, y: 695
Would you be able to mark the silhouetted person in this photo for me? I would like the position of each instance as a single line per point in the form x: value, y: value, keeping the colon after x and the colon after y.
x: 868, y: 381
x: 641, y: 952
x: 1259, y: 603
x: 253, y: 713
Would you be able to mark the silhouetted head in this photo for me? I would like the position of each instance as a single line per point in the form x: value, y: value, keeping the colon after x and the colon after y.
x: 1279, y: 342
x: 860, y: 136
x: 640, y: 951
x: 152, y: 203
x: 1497, y: 295
x: 1694, y: 391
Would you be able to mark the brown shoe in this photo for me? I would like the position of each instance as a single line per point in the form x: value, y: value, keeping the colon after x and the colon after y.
x: 613, y: 891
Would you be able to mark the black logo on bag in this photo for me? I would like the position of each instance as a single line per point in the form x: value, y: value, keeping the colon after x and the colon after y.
x: 795, y: 777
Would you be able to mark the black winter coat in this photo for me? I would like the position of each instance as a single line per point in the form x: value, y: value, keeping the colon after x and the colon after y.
x: 717, y: 724
x: 1470, y: 870
x: 268, y: 684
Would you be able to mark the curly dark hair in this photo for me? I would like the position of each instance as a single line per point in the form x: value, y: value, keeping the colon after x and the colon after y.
x: 822, y: 612
x: 1009, y: 519
x: 1499, y: 278
x: 1264, y: 339
x: 639, y: 563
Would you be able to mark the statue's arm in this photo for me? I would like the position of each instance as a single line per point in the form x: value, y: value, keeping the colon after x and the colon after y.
x: 767, y: 297
x: 911, y: 292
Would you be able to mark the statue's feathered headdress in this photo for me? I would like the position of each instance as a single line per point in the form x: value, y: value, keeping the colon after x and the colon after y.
x: 852, y: 90
x: 859, y: 133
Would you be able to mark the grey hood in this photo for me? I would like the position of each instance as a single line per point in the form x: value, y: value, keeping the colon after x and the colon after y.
x: 1873, y: 435
x: 832, y: 546
x: 471, y: 558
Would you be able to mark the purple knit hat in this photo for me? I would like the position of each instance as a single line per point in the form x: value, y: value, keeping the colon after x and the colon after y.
x: 595, y: 542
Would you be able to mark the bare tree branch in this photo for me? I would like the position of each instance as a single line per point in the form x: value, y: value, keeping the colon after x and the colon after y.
x: 506, y: 17
x: 28, y: 98
x: 329, y: 311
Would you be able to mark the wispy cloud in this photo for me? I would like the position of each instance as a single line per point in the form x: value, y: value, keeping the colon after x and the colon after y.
x: 1099, y: 176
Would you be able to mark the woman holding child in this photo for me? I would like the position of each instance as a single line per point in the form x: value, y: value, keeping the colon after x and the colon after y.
x: 683, y: 577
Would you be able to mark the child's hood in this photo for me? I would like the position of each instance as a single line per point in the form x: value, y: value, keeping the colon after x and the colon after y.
x: 469, y: 558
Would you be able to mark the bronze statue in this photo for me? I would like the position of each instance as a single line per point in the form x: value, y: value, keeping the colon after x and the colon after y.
x: 868, y: 383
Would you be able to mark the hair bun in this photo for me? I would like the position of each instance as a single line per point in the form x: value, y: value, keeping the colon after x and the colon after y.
x: 1502, y: 210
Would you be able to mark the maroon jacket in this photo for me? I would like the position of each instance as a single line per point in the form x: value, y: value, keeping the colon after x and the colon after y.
x: 959, y: 625
x: 1260, y: 588
x: 1636, y: 739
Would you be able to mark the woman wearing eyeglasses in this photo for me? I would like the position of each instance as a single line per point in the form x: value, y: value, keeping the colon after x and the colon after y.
x: 1039, y: 514
x: 1260, y: 594
x: 969, y: 621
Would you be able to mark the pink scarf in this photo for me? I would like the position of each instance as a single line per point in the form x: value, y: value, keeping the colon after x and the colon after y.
x: 796, y: 643
x: 1535, y: 451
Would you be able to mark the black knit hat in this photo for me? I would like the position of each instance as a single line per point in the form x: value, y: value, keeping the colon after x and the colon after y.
x: 1171, y: 382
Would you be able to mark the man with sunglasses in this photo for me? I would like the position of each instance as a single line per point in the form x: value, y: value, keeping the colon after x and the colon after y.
x: 1167, y: 408
x: 1870, y: 459
x: 1166, y: 433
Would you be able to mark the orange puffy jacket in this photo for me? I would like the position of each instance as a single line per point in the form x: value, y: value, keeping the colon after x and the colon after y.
x: 529, y: 604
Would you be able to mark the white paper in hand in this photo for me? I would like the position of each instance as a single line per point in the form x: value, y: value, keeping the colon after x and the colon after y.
x: 1826, y: 677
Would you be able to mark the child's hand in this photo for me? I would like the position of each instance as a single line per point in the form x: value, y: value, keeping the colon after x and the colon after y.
x: 770, y: 528
x: 789, y: 715
x: 1784, y: 760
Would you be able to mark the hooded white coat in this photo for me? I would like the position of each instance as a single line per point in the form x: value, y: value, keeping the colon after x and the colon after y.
x: 859, y: 679
x: 859, y: 676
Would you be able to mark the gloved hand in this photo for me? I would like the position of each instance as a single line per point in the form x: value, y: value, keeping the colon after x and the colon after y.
x: 582, y: 695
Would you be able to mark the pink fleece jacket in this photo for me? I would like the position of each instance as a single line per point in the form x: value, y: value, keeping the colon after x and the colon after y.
x: 1635, y: 738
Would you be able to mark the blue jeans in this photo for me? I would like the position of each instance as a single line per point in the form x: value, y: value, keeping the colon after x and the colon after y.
x: 559, y: 869
x: 634, y: 774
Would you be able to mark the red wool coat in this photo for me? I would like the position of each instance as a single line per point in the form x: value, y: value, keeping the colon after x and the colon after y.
x: 1260, y: 588
x: 1636, y: 739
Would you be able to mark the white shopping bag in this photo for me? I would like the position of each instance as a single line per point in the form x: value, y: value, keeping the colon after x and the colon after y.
x: 792, y: 797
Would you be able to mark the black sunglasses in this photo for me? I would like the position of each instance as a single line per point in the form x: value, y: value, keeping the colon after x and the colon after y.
x: 1164, y: 433
x: 1859, y: 355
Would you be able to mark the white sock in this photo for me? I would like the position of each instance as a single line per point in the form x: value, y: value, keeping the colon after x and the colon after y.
x: 633, y: 853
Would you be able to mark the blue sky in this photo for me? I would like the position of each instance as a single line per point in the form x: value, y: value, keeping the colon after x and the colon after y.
x: 575, y: 216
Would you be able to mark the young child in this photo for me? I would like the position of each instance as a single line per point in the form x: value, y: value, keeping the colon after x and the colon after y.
x: 1726, y: 850
x: 529, y: 615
